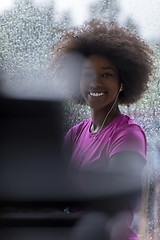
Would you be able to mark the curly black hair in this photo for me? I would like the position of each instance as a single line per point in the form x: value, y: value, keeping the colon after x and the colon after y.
x: 130, y: 54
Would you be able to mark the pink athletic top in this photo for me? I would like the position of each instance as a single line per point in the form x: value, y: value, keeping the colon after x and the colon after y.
x: 122, y: 134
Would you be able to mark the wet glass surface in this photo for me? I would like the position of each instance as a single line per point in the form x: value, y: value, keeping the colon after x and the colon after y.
x: 28, y: 31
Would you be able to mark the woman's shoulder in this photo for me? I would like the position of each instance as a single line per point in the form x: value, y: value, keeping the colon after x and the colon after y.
x: 128, y: 136
x: 79, y: 128
x: 82, y: 124
x: 126, y: 128
x: 125, y: 122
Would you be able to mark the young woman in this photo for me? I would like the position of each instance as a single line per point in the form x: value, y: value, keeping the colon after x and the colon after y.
x: 114, y: 69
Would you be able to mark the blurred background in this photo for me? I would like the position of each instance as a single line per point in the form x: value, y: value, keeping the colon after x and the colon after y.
x: 29, y: 29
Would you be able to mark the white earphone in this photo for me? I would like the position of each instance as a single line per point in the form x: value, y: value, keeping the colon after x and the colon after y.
x: 121, y: 88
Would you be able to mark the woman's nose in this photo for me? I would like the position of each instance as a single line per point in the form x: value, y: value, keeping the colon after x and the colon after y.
x: 95, y: 81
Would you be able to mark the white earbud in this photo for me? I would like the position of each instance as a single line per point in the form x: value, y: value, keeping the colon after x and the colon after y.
x: 121, y: 87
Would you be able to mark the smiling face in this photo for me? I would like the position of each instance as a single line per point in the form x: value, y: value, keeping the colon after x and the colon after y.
x: 99, y: 83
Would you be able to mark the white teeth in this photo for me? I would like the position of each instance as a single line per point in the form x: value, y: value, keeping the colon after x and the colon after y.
x: 96, y: 94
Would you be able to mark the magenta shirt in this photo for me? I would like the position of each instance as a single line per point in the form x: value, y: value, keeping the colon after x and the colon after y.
x: 122, y: 134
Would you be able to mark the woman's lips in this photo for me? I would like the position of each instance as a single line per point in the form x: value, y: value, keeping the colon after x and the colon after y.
x: 96, y: 94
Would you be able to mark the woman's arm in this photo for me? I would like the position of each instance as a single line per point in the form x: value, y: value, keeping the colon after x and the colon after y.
x: 128, y: 162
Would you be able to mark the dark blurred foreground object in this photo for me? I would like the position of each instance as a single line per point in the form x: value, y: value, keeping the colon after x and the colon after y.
x: 30, y: 148
x: 34, y: 182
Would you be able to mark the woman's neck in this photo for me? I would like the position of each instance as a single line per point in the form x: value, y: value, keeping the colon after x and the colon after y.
x: 98, y: 117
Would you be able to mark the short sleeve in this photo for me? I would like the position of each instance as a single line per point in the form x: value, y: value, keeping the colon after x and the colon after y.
x: 131, y: 138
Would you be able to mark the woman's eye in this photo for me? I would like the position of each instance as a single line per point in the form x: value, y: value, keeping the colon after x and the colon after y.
x: 107, y: 74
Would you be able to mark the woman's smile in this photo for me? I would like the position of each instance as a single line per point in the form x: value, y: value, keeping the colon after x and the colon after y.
x: 96, y: 94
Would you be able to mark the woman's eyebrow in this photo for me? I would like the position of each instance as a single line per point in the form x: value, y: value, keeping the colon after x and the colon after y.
x: 106, y: 68
x: 103, y: 68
